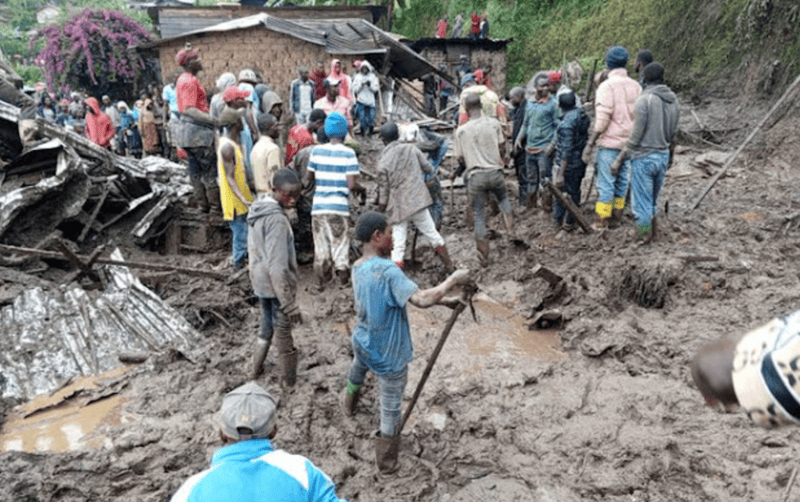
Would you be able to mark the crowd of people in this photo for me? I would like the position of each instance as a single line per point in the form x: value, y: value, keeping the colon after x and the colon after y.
x: 286, y: 196
x: 476, y: 27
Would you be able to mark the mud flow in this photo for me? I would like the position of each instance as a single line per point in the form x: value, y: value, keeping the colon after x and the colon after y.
x: 573, y: 384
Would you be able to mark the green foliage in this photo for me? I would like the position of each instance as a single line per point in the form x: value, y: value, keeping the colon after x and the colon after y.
x: 30, y: 74
x: 698, y: 42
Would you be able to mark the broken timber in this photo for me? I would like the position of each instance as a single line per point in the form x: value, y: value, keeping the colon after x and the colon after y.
x: 124, y: 263
x: 570, y: 206
x: 749, y: 138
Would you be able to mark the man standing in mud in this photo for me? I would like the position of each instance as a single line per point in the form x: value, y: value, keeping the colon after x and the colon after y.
x: 480, y: 146
x: 196, y: 129
x: 613, y: 122
x: 650, y: 147
x: 382, y: 336
x: 248, y: 468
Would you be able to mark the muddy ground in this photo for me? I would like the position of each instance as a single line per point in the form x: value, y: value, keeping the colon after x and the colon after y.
x: 601, y: 408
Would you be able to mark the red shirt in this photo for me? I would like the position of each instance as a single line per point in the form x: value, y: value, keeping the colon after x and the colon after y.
x: 476, y: 23
x: 190, y: 93
x: 441, y: 29
x: 299, y: 138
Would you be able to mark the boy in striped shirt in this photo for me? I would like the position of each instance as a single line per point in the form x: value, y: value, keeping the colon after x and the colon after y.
x: 332, y: 168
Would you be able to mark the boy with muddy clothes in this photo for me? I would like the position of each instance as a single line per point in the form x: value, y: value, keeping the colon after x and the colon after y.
x: 273, y: 272
x: 403, y: 192
x: 650, y: 147
x: 382, y: 336
x: 332, y: 169
x: 248, y: 467
x: 480, y: 146
x: 613, y: 112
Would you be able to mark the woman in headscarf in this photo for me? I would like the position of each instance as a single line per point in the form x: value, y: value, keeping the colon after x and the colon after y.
x: 98, y: 126
x: 223, y: 82
x: 343, y: 78
x: 148, y: 128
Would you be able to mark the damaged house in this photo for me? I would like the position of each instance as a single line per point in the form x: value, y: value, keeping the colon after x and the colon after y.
x: 276, y: 47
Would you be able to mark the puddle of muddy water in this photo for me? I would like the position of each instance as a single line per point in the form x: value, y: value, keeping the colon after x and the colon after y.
x: 63, y: 421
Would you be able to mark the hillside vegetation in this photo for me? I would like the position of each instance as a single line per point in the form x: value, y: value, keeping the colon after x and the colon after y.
x: 711, y: 46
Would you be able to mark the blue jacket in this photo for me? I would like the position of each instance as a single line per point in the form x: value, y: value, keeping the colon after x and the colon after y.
x: 251, y: 471
x: 571, y: 137
x: 295, y: 94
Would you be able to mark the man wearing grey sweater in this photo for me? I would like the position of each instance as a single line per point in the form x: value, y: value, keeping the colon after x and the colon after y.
x: 650, y: 147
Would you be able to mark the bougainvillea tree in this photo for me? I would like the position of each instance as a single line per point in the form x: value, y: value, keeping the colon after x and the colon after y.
x: 93, y: 52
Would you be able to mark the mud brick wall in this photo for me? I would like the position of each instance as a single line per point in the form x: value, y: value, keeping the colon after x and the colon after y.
x: 275, y: 55
x: 477, y: 58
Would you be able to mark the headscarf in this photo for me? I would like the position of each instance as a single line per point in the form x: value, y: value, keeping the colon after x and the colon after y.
x: 225, y: 80
x: 479, y: 77
x: 554, y: 77
x: 344, y: 86
x: 616, y: 57
x: 270, y: 99
x: 184, y: 56
x: 336, y: 125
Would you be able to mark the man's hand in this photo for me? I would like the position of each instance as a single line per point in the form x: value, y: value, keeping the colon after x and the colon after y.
x: 617, y: 164
x: 551, y: 149
x: 586, y: 156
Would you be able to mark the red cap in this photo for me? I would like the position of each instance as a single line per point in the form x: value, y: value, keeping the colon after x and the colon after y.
x: 184, y: 56
x: 233, y: 93
x: 554, y: 76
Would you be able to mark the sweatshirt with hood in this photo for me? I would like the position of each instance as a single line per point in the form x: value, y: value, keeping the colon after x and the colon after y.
x: 270, y: 245
x: 98, y: 126
x: 655, y: 121
x: 365, y: 85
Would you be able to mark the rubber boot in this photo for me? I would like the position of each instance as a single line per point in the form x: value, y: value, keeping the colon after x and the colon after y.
x: 350, y: 402
x: 445, y: 257
x: 616, y: 218
x: 532, y: 200
x: 483, y: 252
x: 200, y: 197
x: 260, y: 354
x: 213, y: 200
x: 600, y: 224
x: 288, y: 362
x: 386, y: 451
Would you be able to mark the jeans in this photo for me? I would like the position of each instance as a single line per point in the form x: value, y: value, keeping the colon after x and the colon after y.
x: 480, y: 185
x: 611, y: 190
x: 423, y: 221
x: 366, y: 117
x: 273, y: 319
x: 573, y: 176
x: 647, y: 179
x: 391, y: 394
x: 538, y: 167
x: 238, y: 227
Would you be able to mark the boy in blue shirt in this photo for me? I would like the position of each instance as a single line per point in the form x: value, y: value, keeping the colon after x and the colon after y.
x: 382, y: 337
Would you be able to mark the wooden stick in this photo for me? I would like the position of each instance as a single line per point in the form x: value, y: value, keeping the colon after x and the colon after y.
x: 425, y: 374
x: 569, y: 205
x: 66, y: 251
x: 789, y: 485
x: 95, y: 212
x: 749, y: 138
x: 104, y: 261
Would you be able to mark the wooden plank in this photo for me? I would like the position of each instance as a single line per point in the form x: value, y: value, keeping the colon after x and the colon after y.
x: 95, y: 212
x: 569, y: 206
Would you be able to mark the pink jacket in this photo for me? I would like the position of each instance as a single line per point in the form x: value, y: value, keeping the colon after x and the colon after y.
x: 616, y: 98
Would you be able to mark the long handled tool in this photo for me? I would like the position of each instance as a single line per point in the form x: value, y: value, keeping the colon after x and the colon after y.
x: 466, y: 300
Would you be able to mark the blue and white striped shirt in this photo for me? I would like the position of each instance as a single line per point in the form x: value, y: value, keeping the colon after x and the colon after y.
x: 331, y: 164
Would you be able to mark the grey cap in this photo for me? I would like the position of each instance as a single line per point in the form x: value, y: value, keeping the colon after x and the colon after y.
x: 248, y: 407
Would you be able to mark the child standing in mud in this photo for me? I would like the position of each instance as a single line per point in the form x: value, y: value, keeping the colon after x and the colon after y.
x: 382, y: 336
x: 273, y: 272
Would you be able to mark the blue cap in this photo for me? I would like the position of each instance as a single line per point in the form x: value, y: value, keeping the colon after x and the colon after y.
x: 616, y: 57
x: 335, y: 125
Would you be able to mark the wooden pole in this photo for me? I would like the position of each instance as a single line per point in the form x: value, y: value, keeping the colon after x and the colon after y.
x: 749, y: 138
x: 570, y: 206
x: 443, y: 338
x: 105, y: 261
